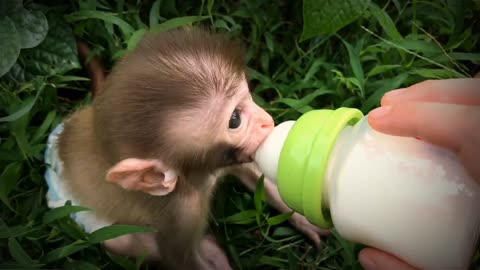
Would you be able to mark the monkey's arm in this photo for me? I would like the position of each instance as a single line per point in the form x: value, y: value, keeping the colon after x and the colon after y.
x: 249, y: 175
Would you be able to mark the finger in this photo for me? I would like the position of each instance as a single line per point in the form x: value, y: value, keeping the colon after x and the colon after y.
x: 373, y: 259
x: 322, y: 232
x: 453, y: 91
x: 315, y: 238
x: 455, y: 127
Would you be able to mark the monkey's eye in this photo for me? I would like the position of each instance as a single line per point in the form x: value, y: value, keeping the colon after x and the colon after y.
x: 235, y: 120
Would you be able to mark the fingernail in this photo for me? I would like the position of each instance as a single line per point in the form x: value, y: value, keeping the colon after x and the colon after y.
x: 368, y: 263
x: 379, y: 112
x: 395, y: 92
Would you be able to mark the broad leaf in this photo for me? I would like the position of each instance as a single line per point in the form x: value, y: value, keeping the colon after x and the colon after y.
x: 10, y: 45
x: 32, y: 27
x: 329, y: 16
x: 8, y: 7
x: 57, y: 54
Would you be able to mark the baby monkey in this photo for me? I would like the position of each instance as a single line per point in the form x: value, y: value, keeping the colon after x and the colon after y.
x: 172, y: 117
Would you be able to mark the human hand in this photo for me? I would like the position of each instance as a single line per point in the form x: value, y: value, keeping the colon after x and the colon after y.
x: 442, y: 112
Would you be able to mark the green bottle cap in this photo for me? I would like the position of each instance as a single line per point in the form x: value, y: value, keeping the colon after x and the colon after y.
x: 304, y: 157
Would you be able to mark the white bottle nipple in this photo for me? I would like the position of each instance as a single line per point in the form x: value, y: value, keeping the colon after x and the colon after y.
x: 268, y: 153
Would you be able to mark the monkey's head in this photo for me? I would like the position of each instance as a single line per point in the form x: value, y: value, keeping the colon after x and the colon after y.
x: 178, y: 103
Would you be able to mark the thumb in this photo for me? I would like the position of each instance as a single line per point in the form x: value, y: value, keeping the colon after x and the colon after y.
x: 373, y: 259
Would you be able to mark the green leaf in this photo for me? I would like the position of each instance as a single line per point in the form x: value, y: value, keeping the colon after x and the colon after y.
x: 272, y: 261
x: 122, y: 261
x: 64, y: 251
x: 25, y: 108
x: 299, y: 104
x: 272, y: 221
x: 8, y: 7
x: 259, y: 195
x: 57, y: 54
x: 135, y: 38
x: 381, y: 69
x: 108, y: 17
x: 177, y: 22
x: 423, y: 46
x: 354, y: 57
x: 314, y: 68
x: 346, y: 246
x: 269, y: 41
x: 154, y: 16
x: 6, y: 232
x: 10, y: 45
x: 386, y: 22
x: 432, y: 73
x: 41, y: 131
x: 243, y: 217
x: 113, y: 231
x: 32, y: 27
x: 81, y: 265
x: 329, y: 16
x: 8, y: 180
x: 61, y: 212
x: 283, y: 231
x: 210, y: 6
x: 389, y: 84
x: 18, y: 253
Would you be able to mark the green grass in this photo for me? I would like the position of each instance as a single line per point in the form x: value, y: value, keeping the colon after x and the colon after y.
x: 293, y: 67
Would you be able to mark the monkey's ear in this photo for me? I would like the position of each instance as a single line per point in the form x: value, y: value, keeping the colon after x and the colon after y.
x: 149, y: 176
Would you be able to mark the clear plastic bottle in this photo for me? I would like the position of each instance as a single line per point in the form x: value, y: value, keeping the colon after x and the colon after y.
x: 402, y: 195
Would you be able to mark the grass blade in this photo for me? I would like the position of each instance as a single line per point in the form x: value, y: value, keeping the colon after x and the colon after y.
x: 25, y: 108
x: 243, y: 217
x: 259, y: 195
x: 8, y: 180
x: 177, y: 22
x: 357, y: 69
x: 65, y: 251
x: 381, y: 69
x: 113, y: 231
x: 18, y: 253
x: 386, y: 22
x: 61, y: 212
x: 279, y: 218
x: 40, y: 132
x: 109, y: 17
x: 154, y: 16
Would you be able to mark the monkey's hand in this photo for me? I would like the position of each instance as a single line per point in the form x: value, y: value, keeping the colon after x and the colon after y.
x: 249, y: 175
x: 213, y: 254
x: 311, y: 231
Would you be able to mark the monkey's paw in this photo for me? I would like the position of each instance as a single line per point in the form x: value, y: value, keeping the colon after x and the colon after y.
x: 216, y: 258
x: 311, y: 231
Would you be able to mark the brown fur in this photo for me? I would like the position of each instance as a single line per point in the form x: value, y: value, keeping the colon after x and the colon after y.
x: 128, y: 118
x: 166, y: 101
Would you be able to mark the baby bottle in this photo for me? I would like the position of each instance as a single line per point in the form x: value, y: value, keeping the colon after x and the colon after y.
x: 402, y: 195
